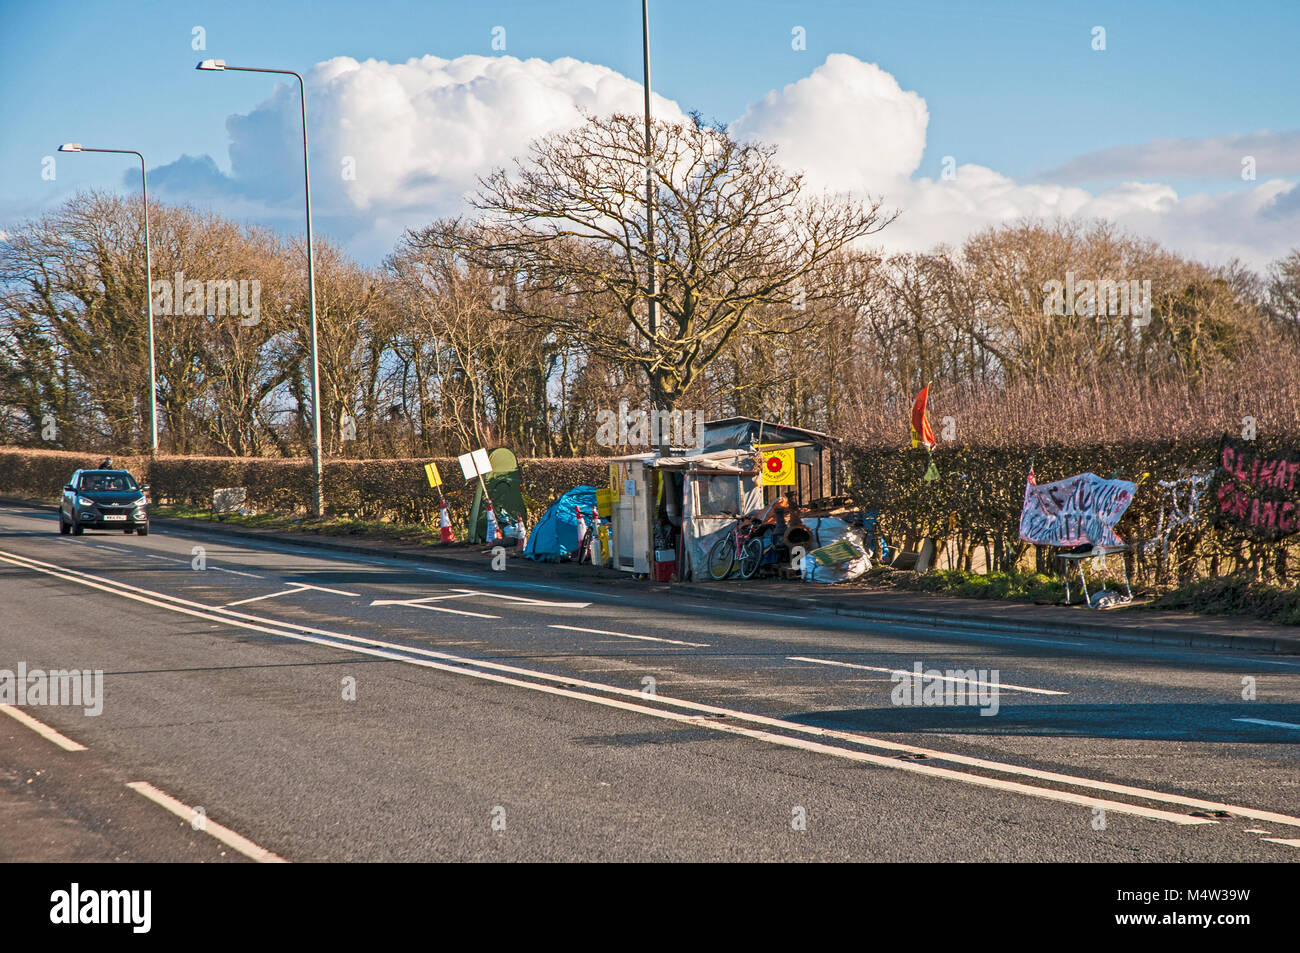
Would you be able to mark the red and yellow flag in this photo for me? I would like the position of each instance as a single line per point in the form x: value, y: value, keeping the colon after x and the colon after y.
x: 921, y: 431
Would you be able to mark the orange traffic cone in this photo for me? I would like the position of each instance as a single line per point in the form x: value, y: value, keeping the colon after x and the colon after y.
x: 493, y: 531
x: 521, y: 536
x: 444, y: 523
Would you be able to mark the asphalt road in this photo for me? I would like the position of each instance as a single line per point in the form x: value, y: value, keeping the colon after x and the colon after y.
x: 322, y: 707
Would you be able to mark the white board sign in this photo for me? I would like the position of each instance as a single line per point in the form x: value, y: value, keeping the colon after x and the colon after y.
x: 475, y: 463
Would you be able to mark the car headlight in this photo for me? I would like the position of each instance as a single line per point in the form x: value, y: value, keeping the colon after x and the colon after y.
x: 82, y: 501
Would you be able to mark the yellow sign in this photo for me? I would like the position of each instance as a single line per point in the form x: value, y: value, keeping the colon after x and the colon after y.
x: 778, y: 467
x: 431, y: 471
x: 602, y: 502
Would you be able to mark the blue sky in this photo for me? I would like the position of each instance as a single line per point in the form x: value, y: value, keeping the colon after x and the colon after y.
x: 1013, y: 87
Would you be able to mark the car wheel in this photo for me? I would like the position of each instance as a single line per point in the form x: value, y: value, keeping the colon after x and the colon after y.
x: 142, y: 530
x: 128, y: 531
x: 77, y: 529
x: 64, y: 528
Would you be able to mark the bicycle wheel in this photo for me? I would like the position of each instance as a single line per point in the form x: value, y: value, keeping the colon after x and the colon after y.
x: 751, y: 557
x: 722, y: 557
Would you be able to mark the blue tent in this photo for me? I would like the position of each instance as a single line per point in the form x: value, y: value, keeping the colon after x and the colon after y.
x: 556, y: 534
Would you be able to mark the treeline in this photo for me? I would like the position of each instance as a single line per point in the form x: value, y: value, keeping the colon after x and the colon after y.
x: 517, y: 326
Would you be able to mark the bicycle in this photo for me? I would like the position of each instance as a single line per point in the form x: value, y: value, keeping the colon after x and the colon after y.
x: 743, y: 546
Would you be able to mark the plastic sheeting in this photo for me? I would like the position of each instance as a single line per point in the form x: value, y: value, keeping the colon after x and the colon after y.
x: 701, y: 531
x: 827, y: 530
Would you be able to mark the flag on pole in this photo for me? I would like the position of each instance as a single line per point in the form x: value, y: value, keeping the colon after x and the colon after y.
x: 921, y: 431
x: 432, y: 474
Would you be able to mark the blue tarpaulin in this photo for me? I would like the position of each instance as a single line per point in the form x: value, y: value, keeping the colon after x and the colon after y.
x: 556, y: 534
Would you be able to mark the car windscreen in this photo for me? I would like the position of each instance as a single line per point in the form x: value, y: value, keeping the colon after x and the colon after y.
x: 107, y: 483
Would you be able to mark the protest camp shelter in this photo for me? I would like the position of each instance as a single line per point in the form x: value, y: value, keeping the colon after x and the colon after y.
x: 818, y: 458
x: 702, y: 493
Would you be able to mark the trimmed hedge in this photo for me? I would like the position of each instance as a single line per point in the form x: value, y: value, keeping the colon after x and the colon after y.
x: 392, y: 490
x: 977, y: 501
x: 41, y: 474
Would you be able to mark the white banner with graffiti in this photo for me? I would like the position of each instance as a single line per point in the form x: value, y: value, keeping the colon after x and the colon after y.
x: 1078, y: 510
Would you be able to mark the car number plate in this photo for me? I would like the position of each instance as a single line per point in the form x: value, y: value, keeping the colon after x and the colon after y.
x: 115, y: 516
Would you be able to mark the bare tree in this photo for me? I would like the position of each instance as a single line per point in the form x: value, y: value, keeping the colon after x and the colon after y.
x: 734, y: 233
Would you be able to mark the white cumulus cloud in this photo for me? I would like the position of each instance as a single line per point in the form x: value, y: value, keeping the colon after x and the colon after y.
x: 397, y: 144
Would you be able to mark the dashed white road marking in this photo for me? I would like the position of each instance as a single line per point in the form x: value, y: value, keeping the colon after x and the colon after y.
x: 1271, y: 724
x: 706, y: 716
x: 337, y: 592
x: 1287, y: 841
x: 946, y: 678
x: 294, y: 588
x: 524, y: 599
x: 625, y: 635
x: 424, y: 604
x: 42, y: 729
x: 222, y: 833
x: 236, y: 572
x: 269, y: 595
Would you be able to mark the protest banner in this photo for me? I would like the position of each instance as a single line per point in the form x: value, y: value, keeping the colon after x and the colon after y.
x: 1256, y: 492
x: 1072, y: 512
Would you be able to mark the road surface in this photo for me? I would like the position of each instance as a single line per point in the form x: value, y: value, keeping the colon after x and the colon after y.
x: 265, y: 702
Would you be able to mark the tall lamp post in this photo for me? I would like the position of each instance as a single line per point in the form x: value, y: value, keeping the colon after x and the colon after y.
x: 318, y: 482
x: 148, y: 284
x: 649, y: 173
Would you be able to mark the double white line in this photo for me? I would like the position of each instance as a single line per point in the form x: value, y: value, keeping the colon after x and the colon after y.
x: 759, y: 727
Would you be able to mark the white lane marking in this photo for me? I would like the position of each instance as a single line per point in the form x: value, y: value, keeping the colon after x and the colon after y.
x: 111, y: 549
x: 423, y: 604
x: 1289, y: 842
x: 297, y: 587
x: 460, y: 665
x: 524, y: 599
x: 1255, y: 830
x: 1271, y: 724
x: 42, y: 729
x: 624, y: 635
x: 236, y: 572
x: 418, y: 602
x: 270, y: 595
x: 885, y: 622
x: 337, y: 592
x: 890, y: 671
x: 222, y: 833
x: 170, y: 559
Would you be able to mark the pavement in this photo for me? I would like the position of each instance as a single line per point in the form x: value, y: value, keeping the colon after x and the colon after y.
x: 269, y: 701
x: 1132, y: 623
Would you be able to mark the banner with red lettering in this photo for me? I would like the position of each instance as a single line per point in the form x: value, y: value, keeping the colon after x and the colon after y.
x: 1256, y: 492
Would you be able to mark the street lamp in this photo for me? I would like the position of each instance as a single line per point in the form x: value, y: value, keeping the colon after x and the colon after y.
x: 649, y: 173
x: 148, y: 284
x: 318, y: 502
